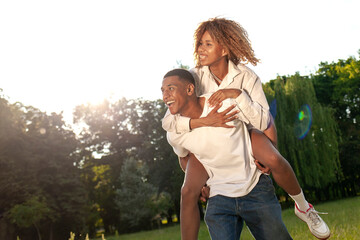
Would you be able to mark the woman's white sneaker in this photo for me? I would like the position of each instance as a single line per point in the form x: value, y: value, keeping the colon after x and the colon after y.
x: 316, y: 225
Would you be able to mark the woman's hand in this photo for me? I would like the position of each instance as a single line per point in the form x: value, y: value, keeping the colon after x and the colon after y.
x: 219, y: 119
x: 215, y: 118
x: 223, y: 94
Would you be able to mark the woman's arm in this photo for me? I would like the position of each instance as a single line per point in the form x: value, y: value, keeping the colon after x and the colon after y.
x: 181, y: 124
x: 250, y: 100
x: 215, y: 118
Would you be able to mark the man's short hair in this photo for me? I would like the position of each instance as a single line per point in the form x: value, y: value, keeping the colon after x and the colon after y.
x: 182, y: 74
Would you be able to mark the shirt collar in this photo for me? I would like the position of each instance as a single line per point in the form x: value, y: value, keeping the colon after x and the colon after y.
x: 233, y: 71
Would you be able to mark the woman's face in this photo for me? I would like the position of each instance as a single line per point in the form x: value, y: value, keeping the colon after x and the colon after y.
x: 209, y: 51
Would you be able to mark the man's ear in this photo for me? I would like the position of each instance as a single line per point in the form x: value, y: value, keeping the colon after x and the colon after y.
x: 190, y: 89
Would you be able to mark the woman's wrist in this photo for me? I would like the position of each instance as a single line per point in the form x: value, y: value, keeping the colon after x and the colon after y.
x: 197, y: 122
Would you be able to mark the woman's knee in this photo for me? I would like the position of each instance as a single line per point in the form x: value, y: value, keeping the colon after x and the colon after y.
x: 276, y: 162
x: 272, y: 160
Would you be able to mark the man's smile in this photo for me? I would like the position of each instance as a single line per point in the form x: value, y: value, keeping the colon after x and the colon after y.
x: 170, y: 102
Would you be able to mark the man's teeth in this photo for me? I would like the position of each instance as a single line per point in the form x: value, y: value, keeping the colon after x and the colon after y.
x: 170, y: 102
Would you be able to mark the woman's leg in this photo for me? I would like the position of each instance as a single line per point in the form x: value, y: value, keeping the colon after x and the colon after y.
x: 265, y: 152
x: 271, y: 132
x: 195, y: 179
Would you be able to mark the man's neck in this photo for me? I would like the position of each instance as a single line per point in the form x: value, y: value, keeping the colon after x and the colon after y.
x: 194, y: 108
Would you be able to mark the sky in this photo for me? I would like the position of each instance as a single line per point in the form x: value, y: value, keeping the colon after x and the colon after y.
x: 55, y: 55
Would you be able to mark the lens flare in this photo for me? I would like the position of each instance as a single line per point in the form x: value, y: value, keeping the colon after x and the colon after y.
x: 303, y: 122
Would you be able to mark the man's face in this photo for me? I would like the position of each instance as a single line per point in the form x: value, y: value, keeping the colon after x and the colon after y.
x: 174, y: 93
x: 210, y: 52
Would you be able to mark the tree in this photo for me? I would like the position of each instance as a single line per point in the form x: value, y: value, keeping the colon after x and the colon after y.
x: 38, y: 158
x: 313, y: 154
x: 135, y: 195
x: 337, y: 85
x: 115, y: 131
x: 31, y: 212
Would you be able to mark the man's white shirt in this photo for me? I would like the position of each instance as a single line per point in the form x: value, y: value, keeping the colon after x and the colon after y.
x: 225, y: 153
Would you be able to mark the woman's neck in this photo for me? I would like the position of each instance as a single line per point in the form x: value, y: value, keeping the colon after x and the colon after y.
x: 220, y: 69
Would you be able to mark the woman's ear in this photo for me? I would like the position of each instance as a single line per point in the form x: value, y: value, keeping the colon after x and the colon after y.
x: 224, y: 52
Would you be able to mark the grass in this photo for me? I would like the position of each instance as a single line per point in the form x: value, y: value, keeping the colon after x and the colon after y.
x: 343, y: 220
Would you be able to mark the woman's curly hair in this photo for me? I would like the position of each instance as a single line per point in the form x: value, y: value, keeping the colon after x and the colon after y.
x: 231, y: 36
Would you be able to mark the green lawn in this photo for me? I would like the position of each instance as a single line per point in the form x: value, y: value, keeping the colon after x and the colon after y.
x: 343, y: 220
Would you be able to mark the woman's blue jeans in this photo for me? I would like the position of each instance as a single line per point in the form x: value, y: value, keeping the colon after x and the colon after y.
x: 259, y: 209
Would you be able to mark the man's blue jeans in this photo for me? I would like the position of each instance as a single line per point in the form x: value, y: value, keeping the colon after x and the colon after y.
x: 260, y: 210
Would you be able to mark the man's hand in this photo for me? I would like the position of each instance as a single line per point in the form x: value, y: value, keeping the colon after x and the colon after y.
x: 205, y: 193
x: 262, y: 168
x: 222, y: 94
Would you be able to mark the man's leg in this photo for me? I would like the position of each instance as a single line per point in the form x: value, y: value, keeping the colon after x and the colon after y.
x: 261, y: 211
x: 222, y: 218
x: 195, y: 179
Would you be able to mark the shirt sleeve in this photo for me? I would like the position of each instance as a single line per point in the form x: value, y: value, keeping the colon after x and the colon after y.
x: 179, y: 150
x: 253, y: 105
x: 175, y: 123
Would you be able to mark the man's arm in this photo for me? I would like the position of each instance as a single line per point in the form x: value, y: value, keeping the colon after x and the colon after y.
x: 182, y: 153
x: 175, y: 123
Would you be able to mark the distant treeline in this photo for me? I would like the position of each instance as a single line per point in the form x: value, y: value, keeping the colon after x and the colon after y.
x: 118, y: 173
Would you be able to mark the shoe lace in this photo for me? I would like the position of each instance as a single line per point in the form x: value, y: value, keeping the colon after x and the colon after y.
x: 314, y: 216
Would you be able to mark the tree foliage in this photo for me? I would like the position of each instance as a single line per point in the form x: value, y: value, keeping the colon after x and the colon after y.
x: 113, y: 132
x: 37, y: 159
x: 314, y: 157
x: 133, y: 196
x: 337, y: 85
x: 31, y: 212
x: 114, y: 168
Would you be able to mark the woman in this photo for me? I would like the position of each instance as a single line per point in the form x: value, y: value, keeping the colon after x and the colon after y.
x: 220, y: 47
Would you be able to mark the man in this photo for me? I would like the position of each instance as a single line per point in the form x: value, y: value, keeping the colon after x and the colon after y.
x: 238, y: 191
